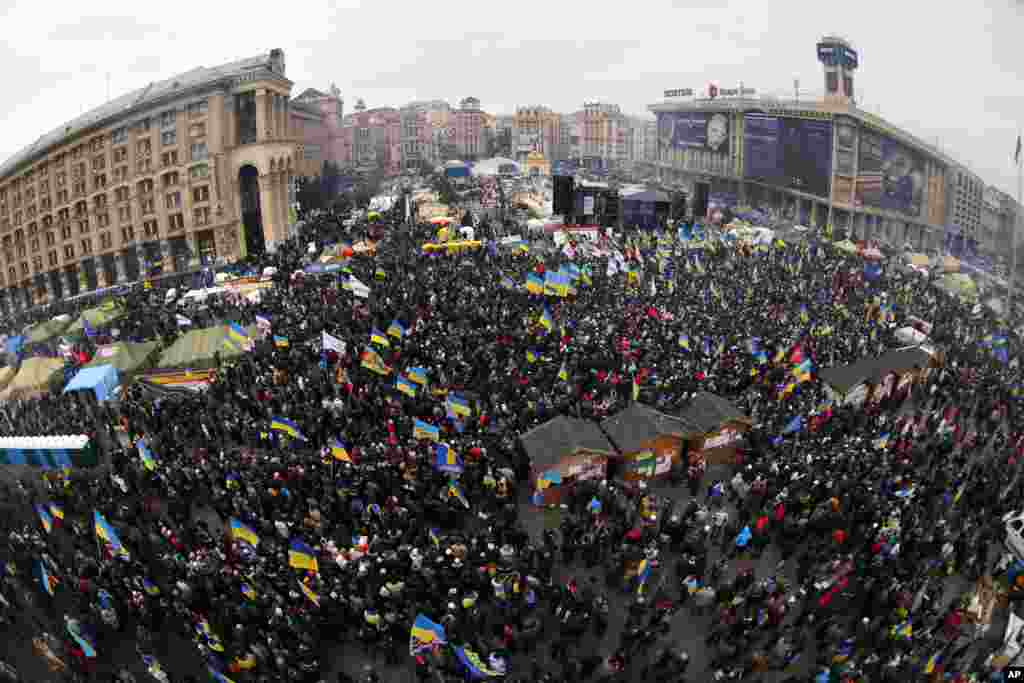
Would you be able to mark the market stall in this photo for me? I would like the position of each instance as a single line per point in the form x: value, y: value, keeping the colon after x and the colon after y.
x: 719, y: 427
x: 875, y: 378
x: 648, y: 443
x: 564, y: 451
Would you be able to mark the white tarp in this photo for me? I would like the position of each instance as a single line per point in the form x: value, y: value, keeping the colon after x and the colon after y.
x: 52, y: 443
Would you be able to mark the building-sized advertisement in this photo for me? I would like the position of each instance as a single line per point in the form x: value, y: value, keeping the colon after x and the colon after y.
x: 789, y: 152
x: 889, y: 175
x: 703, y: 130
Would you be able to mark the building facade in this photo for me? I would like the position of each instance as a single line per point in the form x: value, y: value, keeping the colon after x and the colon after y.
x: 316, y: 120
x: 965, y: 193
x: 196, y: 168
x: 535, y: 129
x: 811, y: 161
x: 603, y: 132
x: 469, y: 124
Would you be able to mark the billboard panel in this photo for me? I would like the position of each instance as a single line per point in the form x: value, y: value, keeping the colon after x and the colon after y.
x: 889, y: 175
x: 795, y: 153
x: 703, y: 130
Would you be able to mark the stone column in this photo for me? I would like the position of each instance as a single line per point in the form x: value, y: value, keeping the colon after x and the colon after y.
x: 267, y: 208
x: 262, y: 124
x: 230, y: 136
x: 282, y: 205
x: 119, y: 270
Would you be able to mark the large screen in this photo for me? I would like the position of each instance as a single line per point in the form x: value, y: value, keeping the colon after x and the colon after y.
x: 889, y: 175
x: 794, y: 153
x: 705, y: 130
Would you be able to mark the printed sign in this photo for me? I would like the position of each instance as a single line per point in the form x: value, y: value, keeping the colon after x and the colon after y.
x: 723, y: 438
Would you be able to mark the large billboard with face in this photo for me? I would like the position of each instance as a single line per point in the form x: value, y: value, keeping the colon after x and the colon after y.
x: 789, y: 152
x: 697, y: 129
x: 889, y: 175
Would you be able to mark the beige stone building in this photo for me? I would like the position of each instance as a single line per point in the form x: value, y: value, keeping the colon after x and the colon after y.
x: 194, y: 169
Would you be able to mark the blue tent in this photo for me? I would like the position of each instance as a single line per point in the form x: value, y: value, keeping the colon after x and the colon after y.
x: 102, y: 379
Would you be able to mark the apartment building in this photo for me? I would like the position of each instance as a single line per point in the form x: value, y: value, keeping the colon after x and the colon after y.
x: 192, y: 169
x: 316, y: 120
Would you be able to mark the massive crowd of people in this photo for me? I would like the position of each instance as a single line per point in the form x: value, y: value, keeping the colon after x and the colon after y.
x: 292, y: 523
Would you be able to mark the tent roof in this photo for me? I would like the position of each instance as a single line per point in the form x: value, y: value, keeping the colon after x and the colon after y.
x: 197, y: 348
x: 707, y: 412
x: 54, y: 442
x: 99, y: 378
x: 647, y: 197
x: 637, y: 424
x: 125, y: 356
x: 33, y: 376
x: 46, y: 331
x: 545, y: 444
x: 843, y: 378
x: 97, y: 317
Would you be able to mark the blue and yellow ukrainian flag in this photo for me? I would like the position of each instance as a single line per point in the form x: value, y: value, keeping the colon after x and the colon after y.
x: 534, y: 284
x: 405, y: 386
x: 238, y: 336
x: 396, y: 329
x: 376, y: 337
x: 301, y: 556
x: 546, y: 321
x: 474, y: 665
x: 423, y: 430
x: 283, y: 424
x: 425, y: 634
x: 47, y: 581
x: 684, y: 342
x: 563, y: 372
x: 281, y: 342
x: 145, y: 455
x: 107, y: 533
x: 455, y: 491
x: 457, y: 405
x: 308, y: 592
x: 447, y: 460
x: 243, y: 532
x: 44, y: 517
x: 556, y: 283
x: 249, y: 592
x: 418, y: 375
x: 532, y: 356
x: 340, y: 452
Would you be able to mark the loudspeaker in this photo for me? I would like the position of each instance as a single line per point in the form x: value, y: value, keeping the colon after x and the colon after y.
x: 564, y: 188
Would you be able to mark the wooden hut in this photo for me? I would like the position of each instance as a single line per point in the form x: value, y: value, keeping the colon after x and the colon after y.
x: 564, y: 451
x: 719, y: 427
x: 649, y: 443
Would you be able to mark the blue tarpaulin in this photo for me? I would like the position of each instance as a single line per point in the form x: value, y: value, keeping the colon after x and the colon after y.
x: 102, y: 379
x: 14, y: 344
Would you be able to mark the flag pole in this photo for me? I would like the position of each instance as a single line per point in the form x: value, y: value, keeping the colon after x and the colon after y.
x: 1013, y: 235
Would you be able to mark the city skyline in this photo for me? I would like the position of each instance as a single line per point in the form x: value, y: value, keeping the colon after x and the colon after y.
x: 61, y: 64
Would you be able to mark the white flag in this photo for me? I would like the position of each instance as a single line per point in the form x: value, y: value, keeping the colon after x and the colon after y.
x: 333, y: 344
x: 183, y: 321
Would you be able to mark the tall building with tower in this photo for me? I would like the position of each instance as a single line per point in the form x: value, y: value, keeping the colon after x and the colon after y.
x: 811, y: 160
x: 840, y: 61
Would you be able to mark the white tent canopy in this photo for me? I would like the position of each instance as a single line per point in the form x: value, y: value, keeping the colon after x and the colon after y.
x: 495, y: 166
x: 52, y: 443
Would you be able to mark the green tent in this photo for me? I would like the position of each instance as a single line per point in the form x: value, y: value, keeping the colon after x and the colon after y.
x: 98, y: 317
x: 44, y: 332
x: 196, y: 349
x: 126, y: 357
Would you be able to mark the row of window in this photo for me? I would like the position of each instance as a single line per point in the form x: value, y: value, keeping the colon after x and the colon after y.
x: 150, y: 230
x: 118, y: 136
x: 79, y: 189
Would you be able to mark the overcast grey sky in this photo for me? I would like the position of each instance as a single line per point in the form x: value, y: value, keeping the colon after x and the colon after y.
x: 951, y: 70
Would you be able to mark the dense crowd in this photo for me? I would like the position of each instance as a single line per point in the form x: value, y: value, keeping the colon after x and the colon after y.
x: 292, y: 523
